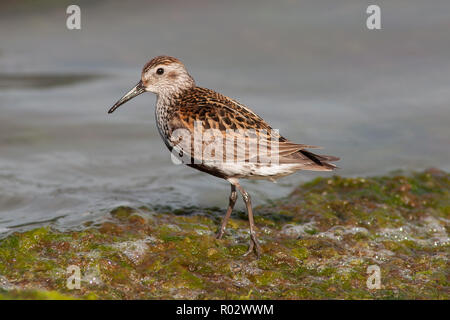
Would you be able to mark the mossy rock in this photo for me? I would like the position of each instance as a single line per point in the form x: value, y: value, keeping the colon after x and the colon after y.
x: 317, y: 244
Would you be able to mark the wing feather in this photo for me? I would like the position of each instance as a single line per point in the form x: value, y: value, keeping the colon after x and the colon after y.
x: 237, y: 127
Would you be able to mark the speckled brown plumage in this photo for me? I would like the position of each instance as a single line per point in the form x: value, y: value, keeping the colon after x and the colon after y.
x: 182, y: 105
x: 216, y: 111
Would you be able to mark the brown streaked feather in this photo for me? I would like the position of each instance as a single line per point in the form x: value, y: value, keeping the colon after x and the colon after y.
x: 216, y: 111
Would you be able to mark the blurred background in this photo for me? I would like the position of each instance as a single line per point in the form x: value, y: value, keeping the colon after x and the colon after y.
x: 379, y: 99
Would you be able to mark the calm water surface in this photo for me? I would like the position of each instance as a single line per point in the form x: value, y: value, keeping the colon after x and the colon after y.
x: 378, y: 99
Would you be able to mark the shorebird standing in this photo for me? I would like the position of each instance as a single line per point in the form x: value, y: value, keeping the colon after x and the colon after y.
x: 182, y: 109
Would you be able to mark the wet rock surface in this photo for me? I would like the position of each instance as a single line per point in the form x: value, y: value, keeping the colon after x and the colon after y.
x: 318, y: 243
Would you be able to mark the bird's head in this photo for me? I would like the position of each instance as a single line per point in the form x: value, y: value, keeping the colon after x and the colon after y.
x: 166, y: 76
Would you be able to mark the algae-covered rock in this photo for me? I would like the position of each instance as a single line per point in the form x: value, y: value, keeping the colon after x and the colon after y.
x: 327, y: 240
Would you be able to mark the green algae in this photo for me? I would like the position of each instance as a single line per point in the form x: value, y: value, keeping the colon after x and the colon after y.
x: 34, y: 295
x: 317, y: 244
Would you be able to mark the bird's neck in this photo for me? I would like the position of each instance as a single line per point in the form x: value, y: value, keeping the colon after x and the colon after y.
x: 169, y: 97
x: 171, y: 92
x: 165, y: 101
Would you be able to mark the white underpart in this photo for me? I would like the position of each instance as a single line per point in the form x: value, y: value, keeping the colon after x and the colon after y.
x: 256, y: 171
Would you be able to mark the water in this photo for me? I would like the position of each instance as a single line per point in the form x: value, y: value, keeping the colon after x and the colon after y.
x: 378, y: 99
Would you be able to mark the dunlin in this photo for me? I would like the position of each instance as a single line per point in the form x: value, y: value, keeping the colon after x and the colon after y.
x: 182, y: 109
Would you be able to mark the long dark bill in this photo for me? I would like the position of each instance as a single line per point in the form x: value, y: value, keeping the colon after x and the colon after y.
x: 137, y: 90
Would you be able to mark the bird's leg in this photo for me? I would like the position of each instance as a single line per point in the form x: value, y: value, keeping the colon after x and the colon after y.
x: 232, y: 201
x: 254, y: 245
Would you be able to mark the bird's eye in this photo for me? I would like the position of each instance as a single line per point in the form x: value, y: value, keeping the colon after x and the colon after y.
x: 160, y: 71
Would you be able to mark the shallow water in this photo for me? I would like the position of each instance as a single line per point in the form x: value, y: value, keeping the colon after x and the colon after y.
x: 378, y: 99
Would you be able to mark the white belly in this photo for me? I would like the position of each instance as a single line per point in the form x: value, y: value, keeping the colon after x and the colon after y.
x: 253, y: 170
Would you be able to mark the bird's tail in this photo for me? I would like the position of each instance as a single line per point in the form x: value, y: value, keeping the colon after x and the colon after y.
x: 320, y: 162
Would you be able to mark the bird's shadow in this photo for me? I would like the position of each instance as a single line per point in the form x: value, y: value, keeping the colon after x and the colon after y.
x: 217, y: 213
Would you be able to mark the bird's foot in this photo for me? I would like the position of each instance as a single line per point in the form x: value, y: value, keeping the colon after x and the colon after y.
x: 254, y: 246
x: 219, y: 234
